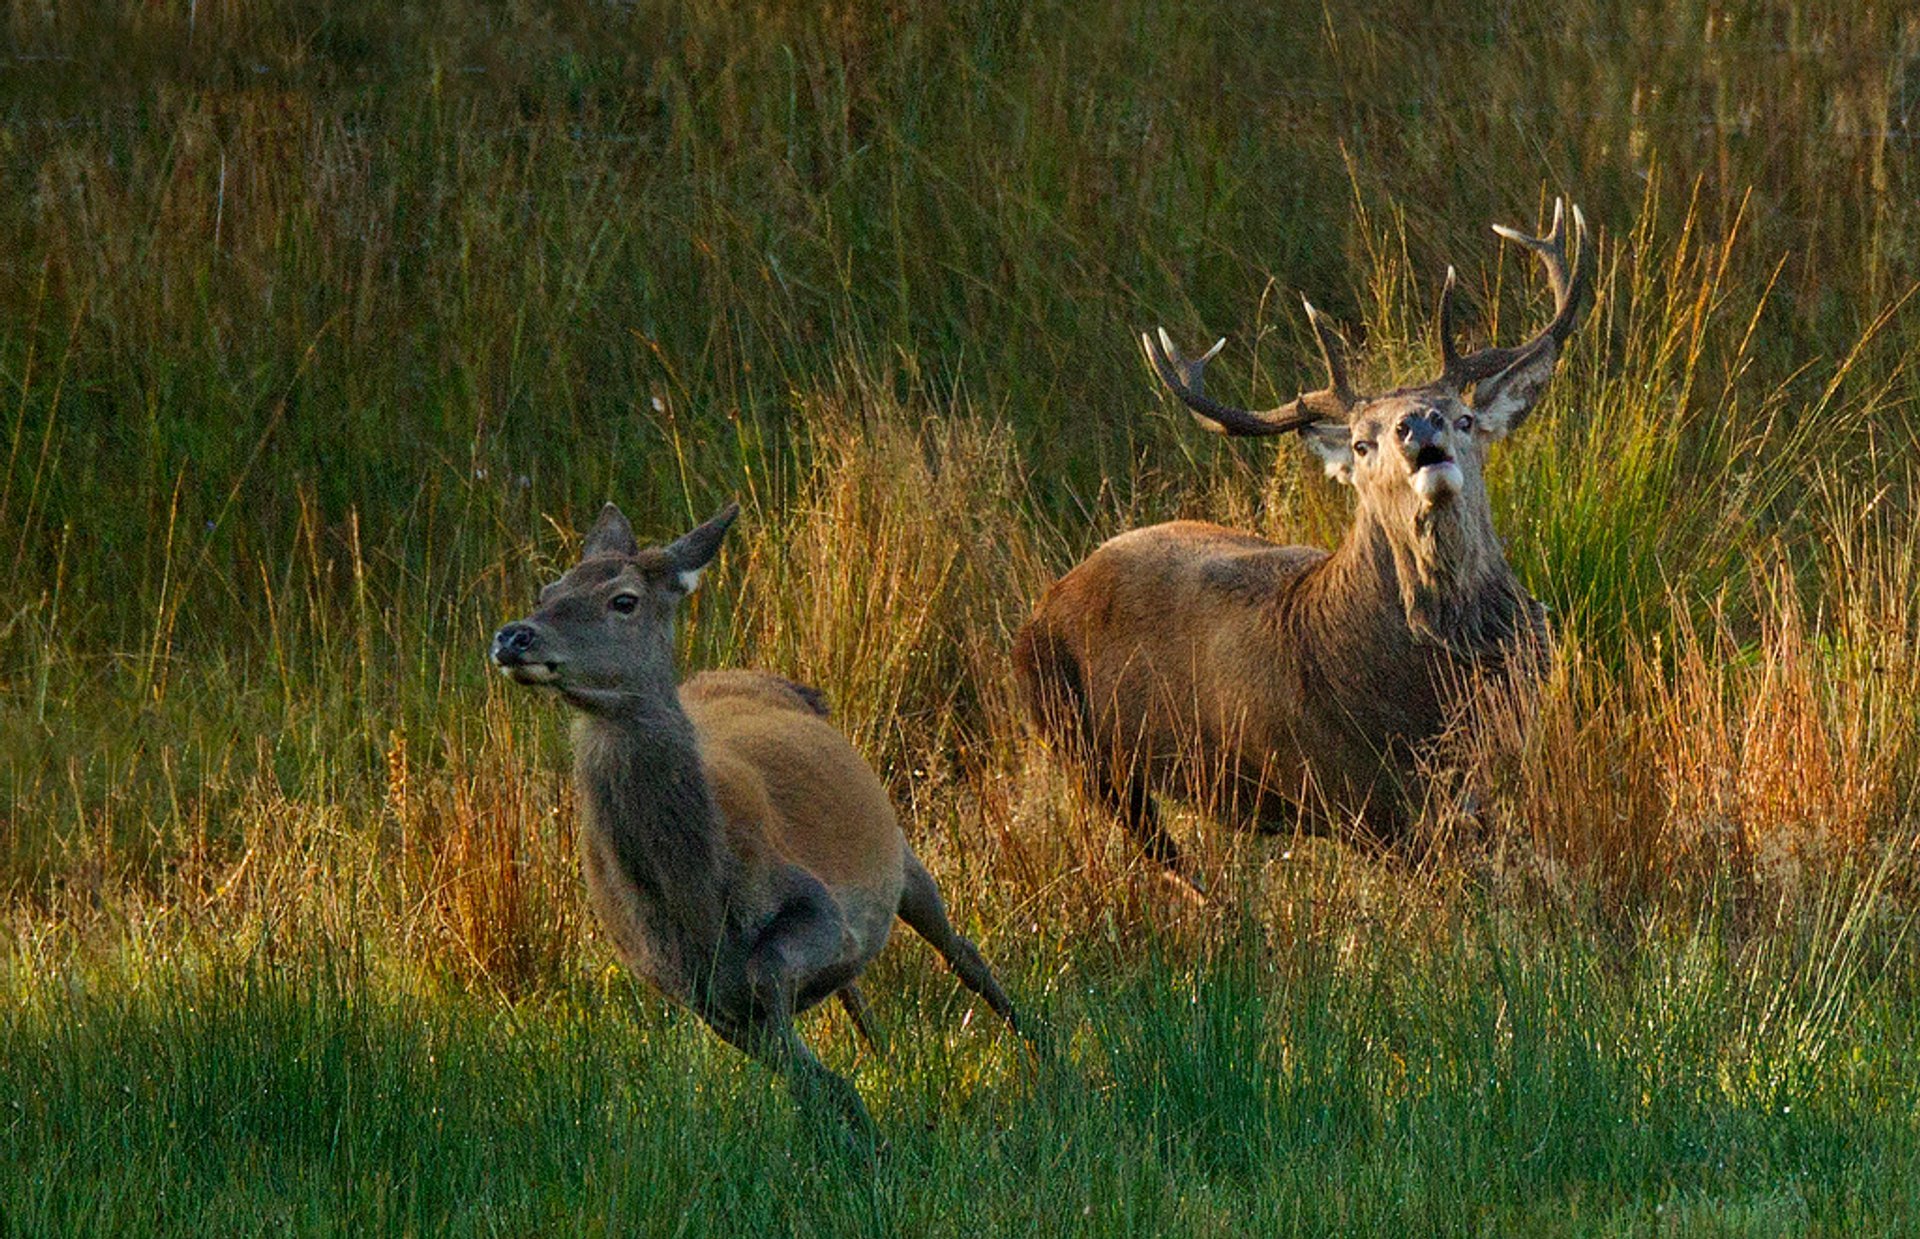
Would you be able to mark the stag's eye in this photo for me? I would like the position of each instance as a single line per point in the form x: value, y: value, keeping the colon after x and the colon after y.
x: 623, y: 603
x: 1362, y: 446
x: 1463, y: 422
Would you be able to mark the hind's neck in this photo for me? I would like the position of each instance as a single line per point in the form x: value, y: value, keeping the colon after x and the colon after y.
x: 644, y: 791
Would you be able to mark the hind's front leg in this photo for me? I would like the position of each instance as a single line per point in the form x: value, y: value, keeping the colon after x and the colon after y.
x: 800, y: 956
x: 804, y: 952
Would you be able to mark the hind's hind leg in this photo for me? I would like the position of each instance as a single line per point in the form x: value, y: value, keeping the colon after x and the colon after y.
x: 801, y: 946
x: 855, y: 1002
x: 921, y: 908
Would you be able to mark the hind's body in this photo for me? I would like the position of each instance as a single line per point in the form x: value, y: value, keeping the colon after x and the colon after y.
x: 739, y: 852
x: 798, y: 807
x: 793, y: 791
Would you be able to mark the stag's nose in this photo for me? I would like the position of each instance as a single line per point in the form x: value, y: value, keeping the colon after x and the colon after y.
x: 1418, y: 430
x: 510, y: 644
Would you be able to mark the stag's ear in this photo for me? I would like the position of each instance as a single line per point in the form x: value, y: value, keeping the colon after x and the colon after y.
x: 1332, y: 442
x: 610, y: 535
x: 691, y: 553
x: 1503, y: 402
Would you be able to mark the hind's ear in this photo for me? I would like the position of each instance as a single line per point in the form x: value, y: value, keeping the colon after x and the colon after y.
x: 691, y: 553
x: 610, y: 535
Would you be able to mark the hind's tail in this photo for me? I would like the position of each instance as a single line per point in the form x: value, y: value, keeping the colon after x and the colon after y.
x: 810, y: 697
x: 760, y: 686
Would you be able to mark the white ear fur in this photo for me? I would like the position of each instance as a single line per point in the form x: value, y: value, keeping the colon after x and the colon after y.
x: 692, y: 552
x: 1331, y: 443
x: 1503, y: 401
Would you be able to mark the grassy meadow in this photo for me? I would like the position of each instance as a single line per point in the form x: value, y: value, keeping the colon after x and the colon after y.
x: 326, y: 328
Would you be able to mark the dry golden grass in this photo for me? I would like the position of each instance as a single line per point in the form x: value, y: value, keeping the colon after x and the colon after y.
x: 893, y: 576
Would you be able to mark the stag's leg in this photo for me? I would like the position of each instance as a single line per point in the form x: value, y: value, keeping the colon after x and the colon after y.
x: 1056, y: 692
x: 1140, y: 816
x: 921, y: 908
x: 1137, y: 812
x: 803, y: 947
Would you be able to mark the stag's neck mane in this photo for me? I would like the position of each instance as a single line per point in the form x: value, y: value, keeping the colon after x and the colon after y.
x: 1441, y: 569
x: 644, y: 789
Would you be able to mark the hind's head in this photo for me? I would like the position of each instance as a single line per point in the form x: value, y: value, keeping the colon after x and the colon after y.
x: 603, y: 633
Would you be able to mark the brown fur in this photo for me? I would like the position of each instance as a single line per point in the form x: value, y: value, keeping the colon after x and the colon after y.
x: 790, y: 786
x: 739, y: 852
x: 1279, y: 684
x: 1286, y: 685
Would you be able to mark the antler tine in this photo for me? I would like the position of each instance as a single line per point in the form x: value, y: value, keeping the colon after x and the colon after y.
x: 1552, y: 250
x: 1183, y: 378
x: 1333, y: 351
x: 1569, y: 287
x: 1443, y: 326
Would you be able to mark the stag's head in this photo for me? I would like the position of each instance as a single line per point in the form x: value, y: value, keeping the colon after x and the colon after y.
x: 603, y: 633
x: 1414, y: 448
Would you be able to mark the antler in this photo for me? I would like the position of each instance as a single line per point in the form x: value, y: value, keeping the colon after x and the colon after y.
x: 1458, y: 371
x: 1183, y: 379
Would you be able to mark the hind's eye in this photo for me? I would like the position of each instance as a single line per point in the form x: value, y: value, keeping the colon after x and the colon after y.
x: 623, y: 603
x: 1362, y: 446
x: 1463, y: 422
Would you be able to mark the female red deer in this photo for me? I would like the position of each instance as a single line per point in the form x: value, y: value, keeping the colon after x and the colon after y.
x: 1285, y: 682
x: 739, y: 852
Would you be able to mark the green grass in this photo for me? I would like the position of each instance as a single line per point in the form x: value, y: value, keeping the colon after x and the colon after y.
x: 1318, y: 1085
x: 325, y: 328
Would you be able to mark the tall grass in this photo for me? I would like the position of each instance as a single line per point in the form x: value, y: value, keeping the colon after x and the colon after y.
x: 325, y: 330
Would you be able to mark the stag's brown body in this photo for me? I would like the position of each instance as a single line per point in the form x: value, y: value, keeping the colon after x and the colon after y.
x: 739, y: 852
x: 1287, y: 685
x: 1281, y: 685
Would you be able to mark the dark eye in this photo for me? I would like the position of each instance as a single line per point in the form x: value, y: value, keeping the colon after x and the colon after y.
x: 1362, y: 446
x: 623, y: 603
x: 1463, y: 422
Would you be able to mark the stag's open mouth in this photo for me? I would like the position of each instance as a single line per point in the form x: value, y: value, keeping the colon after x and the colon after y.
x: 1435, y: 475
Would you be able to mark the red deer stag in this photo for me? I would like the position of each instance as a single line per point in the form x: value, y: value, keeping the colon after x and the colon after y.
x: 739, y: 852
x: 1288, y: 682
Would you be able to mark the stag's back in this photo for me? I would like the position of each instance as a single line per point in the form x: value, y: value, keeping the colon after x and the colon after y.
x: 1186, y: 653
x: 1142, y: 624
